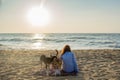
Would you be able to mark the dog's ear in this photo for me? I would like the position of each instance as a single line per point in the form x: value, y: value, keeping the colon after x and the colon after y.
x: 50, y: 55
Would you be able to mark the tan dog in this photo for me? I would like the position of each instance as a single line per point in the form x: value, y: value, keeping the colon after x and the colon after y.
x: 54, y: 61
x: 48, y: 60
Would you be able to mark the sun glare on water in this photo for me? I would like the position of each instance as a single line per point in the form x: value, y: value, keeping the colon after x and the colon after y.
x: 38, y: 43
x: 38, y: 16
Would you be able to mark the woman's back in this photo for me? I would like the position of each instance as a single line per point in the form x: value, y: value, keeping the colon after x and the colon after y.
x: 69, y: 62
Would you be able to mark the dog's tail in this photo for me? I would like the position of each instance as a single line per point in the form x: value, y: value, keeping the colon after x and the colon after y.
x: 56, y: 53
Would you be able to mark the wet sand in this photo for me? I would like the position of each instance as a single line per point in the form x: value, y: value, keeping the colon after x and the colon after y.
x: 99, y: 64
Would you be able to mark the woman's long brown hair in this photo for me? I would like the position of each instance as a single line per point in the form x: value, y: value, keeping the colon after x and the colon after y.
x: 65, y: 49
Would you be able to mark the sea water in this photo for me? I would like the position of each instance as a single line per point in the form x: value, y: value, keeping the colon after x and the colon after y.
x: 51, y: 41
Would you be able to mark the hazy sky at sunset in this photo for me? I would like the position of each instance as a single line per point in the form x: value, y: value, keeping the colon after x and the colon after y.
x: 73, y: 16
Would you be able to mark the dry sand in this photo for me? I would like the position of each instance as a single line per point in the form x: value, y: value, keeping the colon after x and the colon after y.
x: 99, y: 64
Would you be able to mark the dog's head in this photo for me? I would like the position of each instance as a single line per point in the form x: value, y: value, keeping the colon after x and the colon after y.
x: 42, y: 57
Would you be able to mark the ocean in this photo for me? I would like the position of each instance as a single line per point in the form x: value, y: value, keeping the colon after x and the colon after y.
x: 51, y: 41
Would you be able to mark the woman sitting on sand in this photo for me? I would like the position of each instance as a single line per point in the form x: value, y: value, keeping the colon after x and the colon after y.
x: 69, y: 66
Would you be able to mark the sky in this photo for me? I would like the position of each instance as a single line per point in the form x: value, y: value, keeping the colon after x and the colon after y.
x: 66, y: 16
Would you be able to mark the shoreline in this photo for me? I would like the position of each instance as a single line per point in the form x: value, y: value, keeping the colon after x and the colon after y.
x: 8, y: 49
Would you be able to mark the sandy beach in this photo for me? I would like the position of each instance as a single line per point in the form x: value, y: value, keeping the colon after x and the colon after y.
x: 98, y: 64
